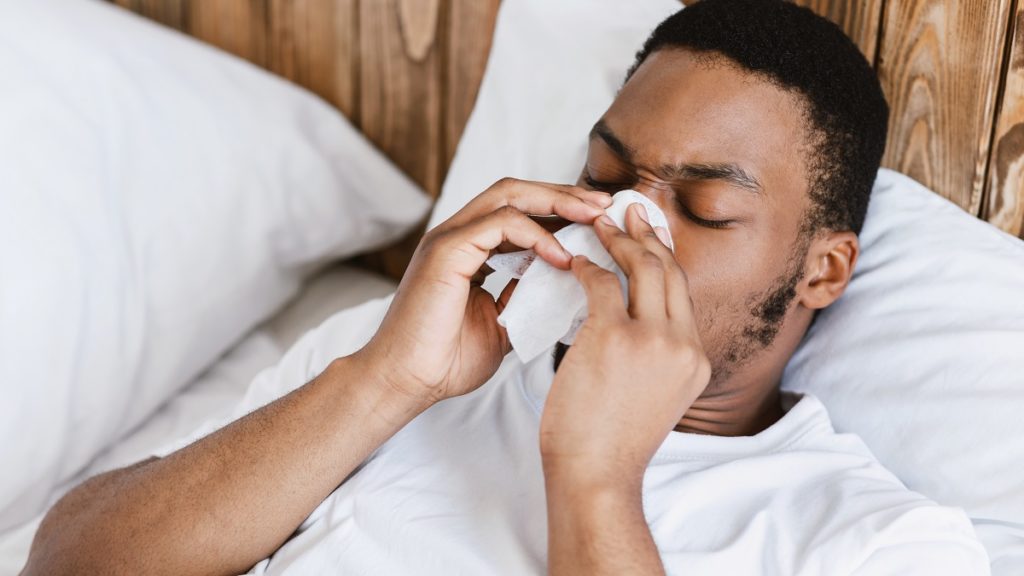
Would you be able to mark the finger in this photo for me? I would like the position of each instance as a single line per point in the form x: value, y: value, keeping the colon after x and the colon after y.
x: 638, y: 226
x: 604, y: 293
x: 465, y: 249
x: 550, y: 223
x: 677, y: 293
x: 500, y: 304
x: 506, y: 295
x: 534, y: 198
x: 645, y: 271
x: 481, y: 275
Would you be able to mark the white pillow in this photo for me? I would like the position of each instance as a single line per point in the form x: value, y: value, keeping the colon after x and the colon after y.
x: 158, y: 198
x: 924, y: 357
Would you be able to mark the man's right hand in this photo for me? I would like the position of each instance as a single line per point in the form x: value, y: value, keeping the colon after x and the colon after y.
x: 440, y: 337
x: 230, y: 499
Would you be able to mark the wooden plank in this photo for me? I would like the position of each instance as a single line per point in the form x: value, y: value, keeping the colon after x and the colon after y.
x: 314, y: 43
x: 938, y: 62
x: 470, y: 30
x: 400, y: 84
x: 400, y: 98
x: 173, y: 13
x: 238, y: 26
x: 1005, y: 194
x: 860, y: 20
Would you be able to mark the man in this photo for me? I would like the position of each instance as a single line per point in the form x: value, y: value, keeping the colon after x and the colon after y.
x: 662, y: 442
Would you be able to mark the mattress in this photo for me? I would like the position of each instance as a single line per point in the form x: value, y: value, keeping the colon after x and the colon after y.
x: 215, y: 392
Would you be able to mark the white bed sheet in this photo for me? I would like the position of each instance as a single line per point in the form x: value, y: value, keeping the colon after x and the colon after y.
x: 215, y: 393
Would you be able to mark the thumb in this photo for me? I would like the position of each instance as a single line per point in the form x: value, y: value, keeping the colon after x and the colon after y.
x: 500, y: 304
x: 506, y: 295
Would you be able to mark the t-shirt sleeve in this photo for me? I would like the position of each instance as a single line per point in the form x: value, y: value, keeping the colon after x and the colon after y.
x: 340, y: 335
x: 933, y: 541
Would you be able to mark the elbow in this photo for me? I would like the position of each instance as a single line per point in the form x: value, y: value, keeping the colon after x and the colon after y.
x: 52, y: 551
x: 70, y: 550
x: 80, y: 533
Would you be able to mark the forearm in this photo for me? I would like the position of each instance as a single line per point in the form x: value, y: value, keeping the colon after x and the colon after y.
x: 231, y: 499
x: 598, y: 528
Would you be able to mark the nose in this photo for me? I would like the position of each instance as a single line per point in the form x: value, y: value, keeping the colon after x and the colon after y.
x: 656, y: 191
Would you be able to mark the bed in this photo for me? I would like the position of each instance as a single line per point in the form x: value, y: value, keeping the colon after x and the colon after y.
x: 407, y: 72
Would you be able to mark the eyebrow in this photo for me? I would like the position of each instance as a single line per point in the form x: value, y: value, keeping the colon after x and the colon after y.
x: 605, y: 133
x: 724, y: 171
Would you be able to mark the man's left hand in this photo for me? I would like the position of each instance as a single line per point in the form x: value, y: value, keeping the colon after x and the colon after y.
x: 635, y: 367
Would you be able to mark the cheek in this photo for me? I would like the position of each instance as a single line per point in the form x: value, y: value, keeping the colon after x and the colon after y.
x: 724, y: 283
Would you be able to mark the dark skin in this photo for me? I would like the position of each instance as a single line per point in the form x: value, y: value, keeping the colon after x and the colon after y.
x: 693, y: 331
x: 724, y: 155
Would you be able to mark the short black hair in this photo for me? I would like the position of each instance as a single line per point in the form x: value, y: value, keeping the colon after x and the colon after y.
x: 794, y: 48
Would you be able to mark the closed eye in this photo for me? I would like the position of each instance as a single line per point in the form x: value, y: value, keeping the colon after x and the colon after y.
x: 605, y: 186
x: 716, y: 224
x: 616, y: 186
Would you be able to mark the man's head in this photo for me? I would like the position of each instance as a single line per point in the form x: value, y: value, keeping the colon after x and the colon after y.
x: 758, y: 127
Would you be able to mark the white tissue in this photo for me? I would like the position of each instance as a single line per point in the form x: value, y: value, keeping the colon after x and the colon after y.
x: 549, y: 305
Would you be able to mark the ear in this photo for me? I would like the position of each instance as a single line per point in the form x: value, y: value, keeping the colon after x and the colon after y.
x: 829, y: 267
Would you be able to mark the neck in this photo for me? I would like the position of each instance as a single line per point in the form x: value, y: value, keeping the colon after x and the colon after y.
x: 735, y: 407
x: 747, y: 400
x: 733, y: 411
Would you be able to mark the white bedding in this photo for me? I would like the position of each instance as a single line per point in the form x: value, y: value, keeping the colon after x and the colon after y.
x: 216, y: 392
x: 160, y: 198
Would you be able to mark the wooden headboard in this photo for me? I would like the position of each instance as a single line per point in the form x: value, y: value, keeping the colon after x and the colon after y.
x: 406, y: 72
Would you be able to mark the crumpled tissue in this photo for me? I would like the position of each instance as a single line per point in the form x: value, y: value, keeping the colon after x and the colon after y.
x: 549, y: 305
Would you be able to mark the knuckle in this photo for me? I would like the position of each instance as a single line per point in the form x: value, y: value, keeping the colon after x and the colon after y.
x: 604, y: 278
x: 650, y: 239
x: 431, y: 238
x: 649, y: 262
x: 507, y: 212
x: 657, y: 340
x: 505, y: 183
x: 618, y: 337
x: 441, y: 241
x: 429, y: 248
x: 693, y: 356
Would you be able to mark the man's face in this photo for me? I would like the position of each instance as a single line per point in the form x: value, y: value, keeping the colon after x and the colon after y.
x: 723, y: 153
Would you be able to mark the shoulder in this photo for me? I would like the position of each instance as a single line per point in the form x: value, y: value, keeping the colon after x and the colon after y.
x: 893, y: 529
x: 927, y: 540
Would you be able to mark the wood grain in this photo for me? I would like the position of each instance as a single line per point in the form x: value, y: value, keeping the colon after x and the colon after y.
x: 1005, y: 194
x: 238, y: 26
x: 400, y: 99
x: 860, y: 20
x: 173, y: 13
x: 470, y: 30
x: 315, y: 44
x: 400, y: 84
x: 939, y: 62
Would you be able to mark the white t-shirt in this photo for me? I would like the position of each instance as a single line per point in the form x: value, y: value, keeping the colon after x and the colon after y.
x: 460, y: 490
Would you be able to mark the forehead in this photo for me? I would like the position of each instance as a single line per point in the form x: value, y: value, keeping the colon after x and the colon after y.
x: 682, y: 107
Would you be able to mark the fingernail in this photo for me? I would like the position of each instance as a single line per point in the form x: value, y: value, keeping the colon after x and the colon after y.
x: 606, y: 220
x: 603, y: 199
x: 641, y: 210
x: 662, y: 233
